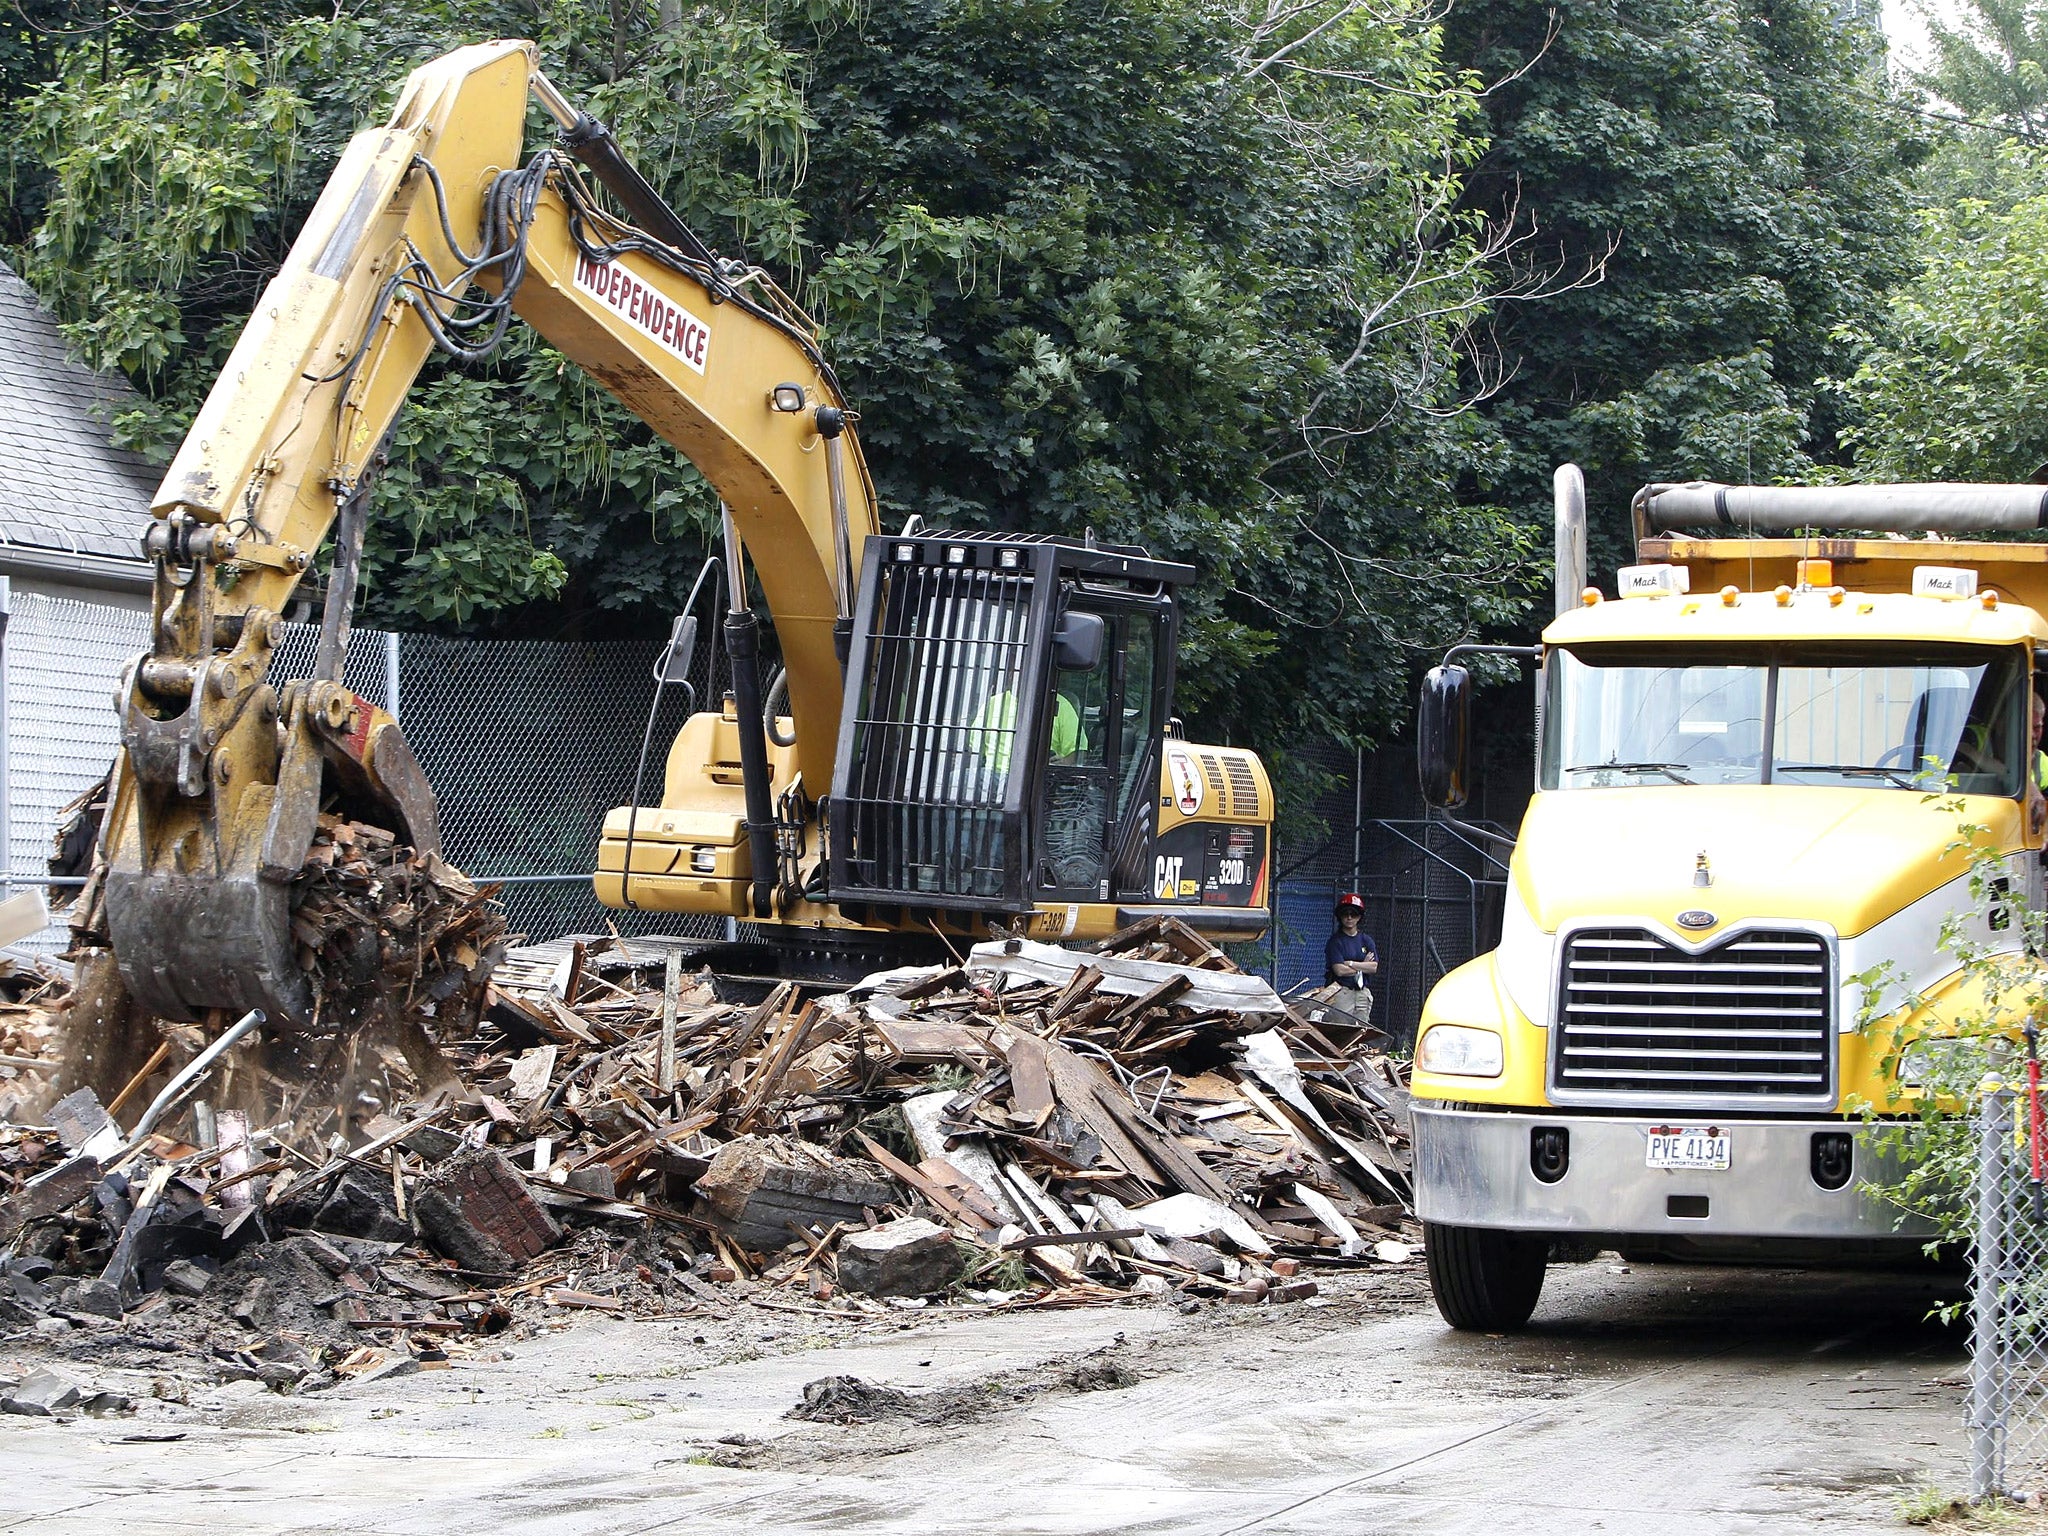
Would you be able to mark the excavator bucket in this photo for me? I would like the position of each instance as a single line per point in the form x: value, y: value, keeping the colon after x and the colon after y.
x: 213, y: 811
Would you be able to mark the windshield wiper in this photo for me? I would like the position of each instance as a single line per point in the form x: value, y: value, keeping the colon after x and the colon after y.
x: 1848, y: 770
x: 1669, y: 770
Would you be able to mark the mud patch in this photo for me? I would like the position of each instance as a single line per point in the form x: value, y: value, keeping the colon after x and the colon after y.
x: 848, y: 1400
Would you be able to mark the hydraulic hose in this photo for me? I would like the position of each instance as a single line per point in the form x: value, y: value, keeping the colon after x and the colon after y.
x: 743, y: 646
x: 778, y: 700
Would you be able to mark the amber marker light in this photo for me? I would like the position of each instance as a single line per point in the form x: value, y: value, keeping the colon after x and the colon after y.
x: 1835, y: 596
x: 1784, y: 597
x: 1589, y: 597
x: 1729, y: 595
x: 1989, y: 598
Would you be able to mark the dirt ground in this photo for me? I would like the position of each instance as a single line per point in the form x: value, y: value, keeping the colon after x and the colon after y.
x: 1666, y: 1398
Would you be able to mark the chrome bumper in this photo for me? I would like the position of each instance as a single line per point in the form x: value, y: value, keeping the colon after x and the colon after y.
x: 1472, y: 1170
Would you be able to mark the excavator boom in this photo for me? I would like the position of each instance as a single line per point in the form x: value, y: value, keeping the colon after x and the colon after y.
x: 222, y: 776
x: 944, y: 797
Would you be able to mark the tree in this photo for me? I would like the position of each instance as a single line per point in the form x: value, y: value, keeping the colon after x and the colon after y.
x: 1951, y: 384
x: 1750, y: 169
x: 1207, y: 299
x: 1160, y: 269
x: 1991, y: 62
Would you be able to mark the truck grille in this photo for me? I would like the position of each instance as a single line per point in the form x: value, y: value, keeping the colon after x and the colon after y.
x: 1752, y: 1017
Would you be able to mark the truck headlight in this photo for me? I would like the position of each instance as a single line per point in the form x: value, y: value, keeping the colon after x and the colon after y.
x: 1457, y: 1050
x: 1947, y: 1060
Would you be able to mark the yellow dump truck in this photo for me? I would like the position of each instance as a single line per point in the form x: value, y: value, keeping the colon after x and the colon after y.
x: 1757, y: 748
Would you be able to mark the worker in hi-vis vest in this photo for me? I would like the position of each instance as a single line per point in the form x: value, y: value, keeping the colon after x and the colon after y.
x: 997, y: 723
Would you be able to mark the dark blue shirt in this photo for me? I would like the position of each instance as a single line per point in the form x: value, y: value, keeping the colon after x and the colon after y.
x: 1348, y: 948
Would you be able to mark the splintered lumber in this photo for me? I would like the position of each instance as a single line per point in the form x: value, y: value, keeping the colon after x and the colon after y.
x: 917, y: 1042
x: 1182, y: 1167
x: 1030, y: 1081
x: 1115, y: 1119
x: 1168, y: 989
x: 383, y: 931
x: 671, y: 993
x: 934, y: 1191
x: 1079, y: 988
x: 1079, y: 1084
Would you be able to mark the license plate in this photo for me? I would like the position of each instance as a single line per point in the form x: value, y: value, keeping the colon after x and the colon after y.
x: 1689, y: 1148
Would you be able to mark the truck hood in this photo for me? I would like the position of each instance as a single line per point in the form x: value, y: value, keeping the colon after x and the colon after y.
x: 1845, y: 857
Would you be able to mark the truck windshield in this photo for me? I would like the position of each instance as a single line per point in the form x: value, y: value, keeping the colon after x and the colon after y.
x: 1925, y: 718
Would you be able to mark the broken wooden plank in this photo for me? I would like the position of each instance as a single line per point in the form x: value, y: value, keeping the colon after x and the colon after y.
x: 1031, y: 1093
x: 931, y: 1189
x: 1166, y: 991
x: 921, y: 1043
x: 1080, y: 1085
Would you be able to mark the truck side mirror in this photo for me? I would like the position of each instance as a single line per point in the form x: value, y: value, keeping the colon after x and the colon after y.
x: 673, y: 664
x: 1077, y: 641
x: 1443, y: 725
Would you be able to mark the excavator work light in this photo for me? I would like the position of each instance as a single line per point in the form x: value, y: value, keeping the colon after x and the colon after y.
x: 787, y: 398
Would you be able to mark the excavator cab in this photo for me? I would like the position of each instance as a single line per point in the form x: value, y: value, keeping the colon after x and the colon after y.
x: 1005, y: 703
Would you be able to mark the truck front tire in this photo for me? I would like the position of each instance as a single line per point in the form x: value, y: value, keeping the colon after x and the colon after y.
x: 1484, y: 1281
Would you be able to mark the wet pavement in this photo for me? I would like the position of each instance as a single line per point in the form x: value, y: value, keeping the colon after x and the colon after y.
x: 1676, y: 1399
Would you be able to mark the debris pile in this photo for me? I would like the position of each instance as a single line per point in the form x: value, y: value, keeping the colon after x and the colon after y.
x: 29, y: 990
x: 385, y: 932
x: 1029, y: 1126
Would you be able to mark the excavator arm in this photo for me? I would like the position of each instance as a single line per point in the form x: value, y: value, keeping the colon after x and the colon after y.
x: 432, y: 234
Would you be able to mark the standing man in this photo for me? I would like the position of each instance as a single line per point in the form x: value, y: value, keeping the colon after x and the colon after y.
x: 1350, y: 957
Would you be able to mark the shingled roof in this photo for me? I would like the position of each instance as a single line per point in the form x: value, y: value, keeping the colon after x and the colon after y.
x: 70, y: 502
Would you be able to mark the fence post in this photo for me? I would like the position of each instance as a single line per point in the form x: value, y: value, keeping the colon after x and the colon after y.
x: 392, y: 703
x: 1988, y: 1397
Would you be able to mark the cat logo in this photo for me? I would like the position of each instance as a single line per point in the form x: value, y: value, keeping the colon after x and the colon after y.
x: 1187, y: 782
x: 1166, y: 881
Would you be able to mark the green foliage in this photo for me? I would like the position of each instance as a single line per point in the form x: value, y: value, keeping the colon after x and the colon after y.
x: 1162, y: 270
x: 1951, y: 388
x: 1991, y: 61
x: 1939, y: 1071
x: 140, y: 207
x: 1749, y: 170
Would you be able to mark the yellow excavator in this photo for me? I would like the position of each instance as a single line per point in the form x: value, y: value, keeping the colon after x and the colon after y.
x: 978, y: 734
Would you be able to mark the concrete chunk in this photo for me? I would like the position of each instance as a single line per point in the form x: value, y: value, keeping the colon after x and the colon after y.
x: 909, y: 1257
x: 42, y: 1392
x: 187, y: 1277
x: 95, y: 1298
x: 77, y: 1117
x: 362, y: 1206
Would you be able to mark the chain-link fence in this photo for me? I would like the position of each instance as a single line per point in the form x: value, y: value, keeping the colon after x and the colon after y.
x: 2008, y: 1408
x: 527, y: 743
x: 1432, y: 891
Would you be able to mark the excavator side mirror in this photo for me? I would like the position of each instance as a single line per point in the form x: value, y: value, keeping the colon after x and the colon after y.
x: 1443, y: 724
x: 1077, y: 641
x: 673, y: 665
